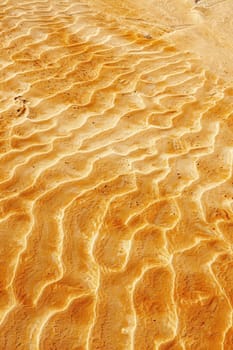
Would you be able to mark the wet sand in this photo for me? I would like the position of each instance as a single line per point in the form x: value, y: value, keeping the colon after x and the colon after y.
x: 116, y: 193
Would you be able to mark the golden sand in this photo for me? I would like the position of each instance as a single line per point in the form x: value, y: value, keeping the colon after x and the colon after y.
x: 116, y: 215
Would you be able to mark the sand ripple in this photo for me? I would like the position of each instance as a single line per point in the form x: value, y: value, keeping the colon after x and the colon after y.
x: 115, y: 182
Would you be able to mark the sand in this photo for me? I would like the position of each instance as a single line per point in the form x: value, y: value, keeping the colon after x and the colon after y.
x: 116, y: 193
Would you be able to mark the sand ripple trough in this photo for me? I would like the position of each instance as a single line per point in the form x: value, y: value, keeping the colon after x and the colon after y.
x: 116, y: 196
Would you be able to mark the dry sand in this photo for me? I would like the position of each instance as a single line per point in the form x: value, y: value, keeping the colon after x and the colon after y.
x: 116, y: 215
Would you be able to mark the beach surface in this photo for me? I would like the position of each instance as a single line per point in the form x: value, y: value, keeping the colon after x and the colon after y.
x: 116, y: 186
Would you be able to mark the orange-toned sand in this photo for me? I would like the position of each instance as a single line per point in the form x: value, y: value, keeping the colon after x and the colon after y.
x: 116, y: 186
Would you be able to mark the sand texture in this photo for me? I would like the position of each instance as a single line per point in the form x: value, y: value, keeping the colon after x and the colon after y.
x: 116, y: 186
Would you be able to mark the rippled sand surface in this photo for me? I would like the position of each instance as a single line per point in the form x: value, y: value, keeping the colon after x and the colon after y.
x: 116, y: 217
